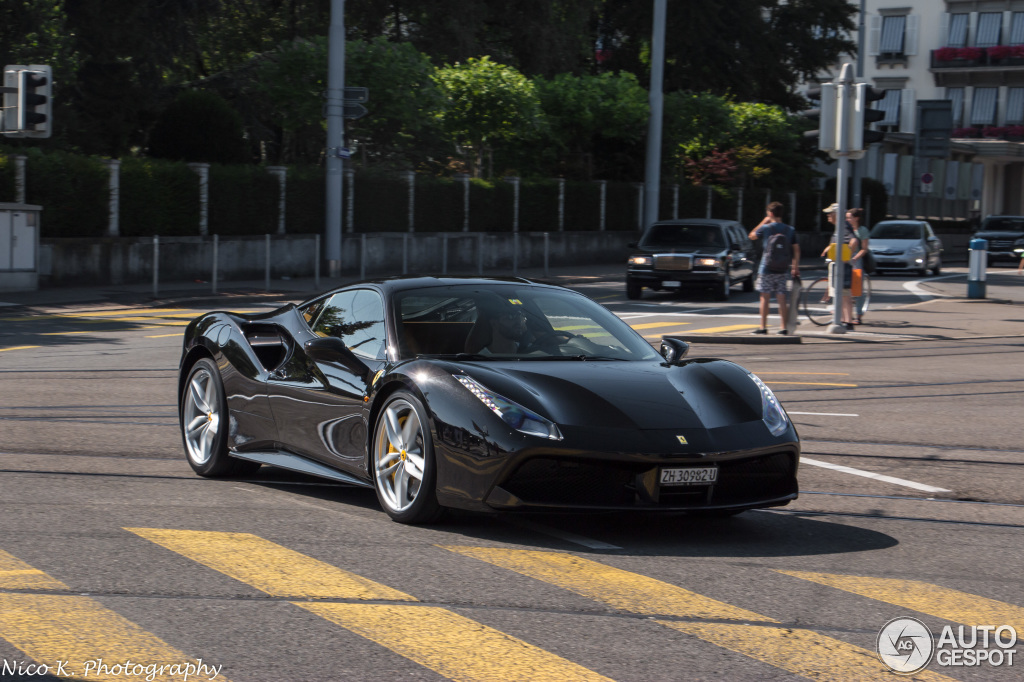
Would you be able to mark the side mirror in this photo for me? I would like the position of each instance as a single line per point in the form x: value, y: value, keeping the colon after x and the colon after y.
x: 673, y: 350
x: 333, y: 349
x: 631, y: 245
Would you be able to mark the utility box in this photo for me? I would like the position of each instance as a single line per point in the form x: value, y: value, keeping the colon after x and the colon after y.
x: 19, y: 247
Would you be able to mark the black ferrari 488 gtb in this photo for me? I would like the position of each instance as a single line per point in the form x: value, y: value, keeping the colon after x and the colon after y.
x: 481, y: 394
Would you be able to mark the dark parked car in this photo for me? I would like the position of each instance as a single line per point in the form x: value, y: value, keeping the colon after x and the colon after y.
x: 480, y: 394
x: 1005, y: 236
x: 675, y: 254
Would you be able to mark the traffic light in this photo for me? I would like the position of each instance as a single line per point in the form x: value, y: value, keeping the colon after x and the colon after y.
x: 864, y: 115
x: 27, y: 101
x: 824, y: 114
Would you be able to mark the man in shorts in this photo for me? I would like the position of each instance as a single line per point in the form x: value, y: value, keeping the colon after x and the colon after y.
x: 769, y: 283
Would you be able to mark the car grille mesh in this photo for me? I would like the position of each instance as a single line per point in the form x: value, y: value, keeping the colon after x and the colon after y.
x: 553, y: 481
x: 673, y: 262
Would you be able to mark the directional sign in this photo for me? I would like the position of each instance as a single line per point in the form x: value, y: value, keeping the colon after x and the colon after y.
x: 354, y: 110
x: 357, y: 94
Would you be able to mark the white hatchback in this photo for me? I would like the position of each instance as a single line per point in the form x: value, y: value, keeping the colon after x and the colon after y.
x: 906, y: 245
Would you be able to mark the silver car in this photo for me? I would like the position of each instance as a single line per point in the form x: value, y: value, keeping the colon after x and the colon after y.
x: 906, y: 245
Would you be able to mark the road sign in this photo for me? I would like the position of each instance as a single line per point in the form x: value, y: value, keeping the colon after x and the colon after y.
x: 354, y: 110
x: 926, y: 182
x: 357, y: 95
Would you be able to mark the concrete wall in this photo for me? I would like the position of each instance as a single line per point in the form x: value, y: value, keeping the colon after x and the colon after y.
x: 126, y: 260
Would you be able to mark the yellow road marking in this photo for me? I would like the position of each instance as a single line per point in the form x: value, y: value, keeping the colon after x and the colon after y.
x: 269, y: 567
x: 802, y: 652
x: 730, y: 328
x: 807, y: 383
x: 835, y: 374
x: 17, y: 348
x: 78, y: 631
x: 651, y: 325
x: 666, y: 332
x: 15, y: 574
x: 451, y: 645
x: 163, y: 336
x: 91, y: 331
x: 609, y: 585
x: 942, y: 602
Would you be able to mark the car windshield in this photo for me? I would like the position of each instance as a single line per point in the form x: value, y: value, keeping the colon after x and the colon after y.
x: 503, y: 321
x: 1013, y: 224
x: 896, y: 231
x: 683, y: 236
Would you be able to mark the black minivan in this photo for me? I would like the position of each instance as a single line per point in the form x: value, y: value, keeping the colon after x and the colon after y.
x: 695, y: 252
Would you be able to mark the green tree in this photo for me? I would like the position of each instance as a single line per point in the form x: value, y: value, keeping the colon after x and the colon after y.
x: 199, y: 126
x: 590, y: 116
x: 488, y: 104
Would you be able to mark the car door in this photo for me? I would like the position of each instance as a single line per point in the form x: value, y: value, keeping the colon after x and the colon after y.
x: 743, y: 255
x: 319, y: 407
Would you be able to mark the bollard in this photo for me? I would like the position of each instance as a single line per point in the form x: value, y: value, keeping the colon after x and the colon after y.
x: 976, y: 264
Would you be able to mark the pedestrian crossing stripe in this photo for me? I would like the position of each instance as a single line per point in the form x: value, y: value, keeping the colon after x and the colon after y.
x: 269, y: 567
x: 436, y: 638
x: 799, y: 651
x: 67, y: 633
x: 934, y: 600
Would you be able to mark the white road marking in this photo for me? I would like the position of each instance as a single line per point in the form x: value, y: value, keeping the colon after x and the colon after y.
x: 878, y: 477
x: 826, y: 414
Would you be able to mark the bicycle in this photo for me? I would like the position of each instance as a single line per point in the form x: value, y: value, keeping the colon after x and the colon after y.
x: 816, y: 299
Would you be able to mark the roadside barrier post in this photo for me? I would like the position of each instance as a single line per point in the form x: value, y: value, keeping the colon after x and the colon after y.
x: 156, y: 266
x: 213, y: 277
x: 976, y: 263
x: 266, y: 270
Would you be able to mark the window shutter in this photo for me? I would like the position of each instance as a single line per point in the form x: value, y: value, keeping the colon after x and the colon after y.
x: 907, y: 111
x: 946, y: 33
x: 913, y: 29
x: 874, y: 35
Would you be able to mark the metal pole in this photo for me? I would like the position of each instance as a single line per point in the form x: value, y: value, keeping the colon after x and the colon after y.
x: 203, y: 171
x: 350, y: 200
x: 465, y: 201
x: 640, y: 203
x: 604, y: 204
x: 335, y: 111
x: 19, y: 178
x: 213, y: 278
x: 113, y: 227
x: 411, y: 178
x: 480, y: 253
x: 708, y: 210
x: 858, y: 166
x: 561, y: 204
x: 652, y: 176
x: 739, y: 205
x: 675, y: 202
x: 444, y: 253
x: 156, y: 266
x: 266, y: 270
x: 515, y: 253
x: 362, y: 256
x: 844, y: 94
x: 405, y: 254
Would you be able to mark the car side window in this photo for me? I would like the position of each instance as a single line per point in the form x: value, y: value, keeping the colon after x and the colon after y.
x: 357, y: 318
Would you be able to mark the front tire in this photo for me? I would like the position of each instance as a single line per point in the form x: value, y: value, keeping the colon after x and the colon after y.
x: 722, y: 294
x: 937, y: 270
x: 633, y: 290
x: 404, y: 469
x: 204, y: 424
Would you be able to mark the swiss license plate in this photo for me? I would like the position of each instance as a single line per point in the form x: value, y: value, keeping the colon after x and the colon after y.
x: 670, y: 283
x: 689, y: 476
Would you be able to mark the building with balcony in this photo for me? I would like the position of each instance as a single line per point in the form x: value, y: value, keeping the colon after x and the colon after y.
x: 970, y: 52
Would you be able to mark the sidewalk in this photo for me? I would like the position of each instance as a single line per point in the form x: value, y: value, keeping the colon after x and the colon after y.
x: 939, y: 307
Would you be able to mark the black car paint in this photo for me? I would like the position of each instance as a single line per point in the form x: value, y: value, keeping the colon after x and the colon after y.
x: 1002, y: 233
x: 624, y: 414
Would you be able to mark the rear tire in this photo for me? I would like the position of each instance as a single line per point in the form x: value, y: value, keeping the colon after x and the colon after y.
x: 204, y: 424
x: 748, y: 283
x: 722, y: 293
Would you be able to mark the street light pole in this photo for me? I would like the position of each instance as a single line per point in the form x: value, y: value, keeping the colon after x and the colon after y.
x: 843, y: 109
x: 335, y: 132
x: 858, y: 166
x: 652, y: 177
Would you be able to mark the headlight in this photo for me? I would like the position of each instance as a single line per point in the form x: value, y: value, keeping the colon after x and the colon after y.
x: 709, y: 262
x: 516, y: 416
x: 641, y: 260
x: 772, y: 413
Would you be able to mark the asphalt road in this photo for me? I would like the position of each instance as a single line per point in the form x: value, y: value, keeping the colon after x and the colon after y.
x: 911, y: 505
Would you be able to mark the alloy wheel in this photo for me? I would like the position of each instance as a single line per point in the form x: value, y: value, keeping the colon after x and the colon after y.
x: 201, y: 416
x: 399, y: 458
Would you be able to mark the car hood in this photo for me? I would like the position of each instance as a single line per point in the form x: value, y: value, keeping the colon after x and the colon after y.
x: 898, y: 244
x: 999, y: 234
x: 682, y: 250
x: 629, y: 395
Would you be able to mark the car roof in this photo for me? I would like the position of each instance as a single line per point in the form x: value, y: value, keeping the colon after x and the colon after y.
x: 392, y: 285
x: 697, y: 221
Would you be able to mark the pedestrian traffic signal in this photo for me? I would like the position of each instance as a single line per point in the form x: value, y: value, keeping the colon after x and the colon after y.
x: 824, y: 114
x: 27, y: 101
x: 864, y: 116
